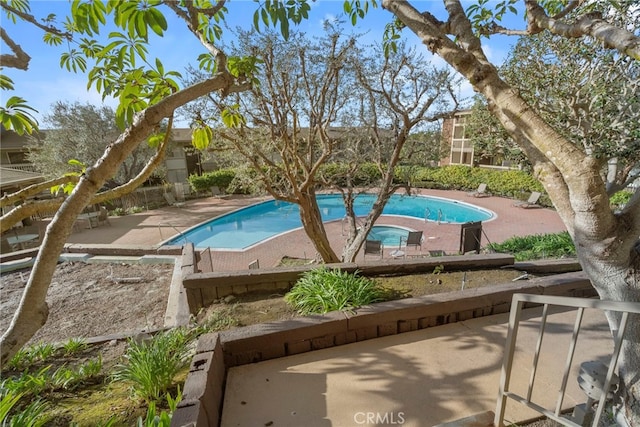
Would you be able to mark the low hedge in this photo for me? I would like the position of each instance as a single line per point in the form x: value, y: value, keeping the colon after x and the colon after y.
x: 508, y: 183
x: 221, y: 178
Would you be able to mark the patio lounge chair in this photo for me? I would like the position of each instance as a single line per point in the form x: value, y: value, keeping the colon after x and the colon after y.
x: 414, y: 238
x: 172, y: 200
x: 480, y: 192
x: 373, y: 247
x: 531, y: 202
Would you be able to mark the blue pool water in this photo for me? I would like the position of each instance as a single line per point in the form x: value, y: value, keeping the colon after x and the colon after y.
x: 389, y: 235
x: 253, y: 224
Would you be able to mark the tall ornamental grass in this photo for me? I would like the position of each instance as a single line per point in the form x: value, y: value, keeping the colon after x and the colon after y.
x: 151, y: 366
x: 322, y: 290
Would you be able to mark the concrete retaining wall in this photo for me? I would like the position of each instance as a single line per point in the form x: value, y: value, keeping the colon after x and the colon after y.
x: 204, y: 287
x: 204, y: 387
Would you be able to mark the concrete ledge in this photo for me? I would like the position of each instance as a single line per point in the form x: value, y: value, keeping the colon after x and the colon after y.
x: 201, y: 403
x: 547, y: 266
x: 79, y: 257
x: 107, y: 259
x: 278, y: 339
x: 114, y: 250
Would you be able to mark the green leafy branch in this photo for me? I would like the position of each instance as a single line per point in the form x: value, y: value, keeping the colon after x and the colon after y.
x: 16, y: 114
x: 276, y: 12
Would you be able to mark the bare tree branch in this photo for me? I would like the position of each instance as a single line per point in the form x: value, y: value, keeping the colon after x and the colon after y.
x: 591, y: 25
x: 19, y: 59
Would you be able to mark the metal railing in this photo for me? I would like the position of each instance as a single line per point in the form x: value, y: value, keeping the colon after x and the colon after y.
x: 624, y: 308
x: 25, y: 167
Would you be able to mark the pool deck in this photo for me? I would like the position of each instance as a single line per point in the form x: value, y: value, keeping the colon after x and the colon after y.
x: 158, y: 225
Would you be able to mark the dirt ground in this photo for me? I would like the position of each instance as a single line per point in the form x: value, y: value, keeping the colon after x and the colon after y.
x: 88, y: 300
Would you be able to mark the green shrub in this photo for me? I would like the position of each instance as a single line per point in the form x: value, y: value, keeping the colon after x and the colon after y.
x: 553, y: 245
x: 221, y: 178
x: 508, y: 183
x: 367, y: 174
x: 322, y: 290
x: 150, y: 366
x: 118, y: 212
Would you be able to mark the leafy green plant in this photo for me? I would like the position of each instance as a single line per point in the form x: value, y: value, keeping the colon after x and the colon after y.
x: 21, y: 360
x: 150, y: 366
x: 8, y: 401
x: 42, y: 351
x: 91, y: 368
x: 74, y: 346
x: 32, y: 415
x: 70, y: 379
x: 553, y: 245
x: 28, y: 383
x: 221, y: 178
x: 322, y: 290
x: 163, y: 419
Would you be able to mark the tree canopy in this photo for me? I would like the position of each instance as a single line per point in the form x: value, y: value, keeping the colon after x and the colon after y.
x: 149, y: 93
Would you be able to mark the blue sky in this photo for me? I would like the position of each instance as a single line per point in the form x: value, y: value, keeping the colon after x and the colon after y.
x: 45, y: 82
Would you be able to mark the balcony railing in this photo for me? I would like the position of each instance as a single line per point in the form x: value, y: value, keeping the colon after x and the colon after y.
x: 26, y: 167
x: 518, y: 302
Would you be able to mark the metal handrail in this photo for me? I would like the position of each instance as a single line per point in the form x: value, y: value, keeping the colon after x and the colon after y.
x: 517, y: 304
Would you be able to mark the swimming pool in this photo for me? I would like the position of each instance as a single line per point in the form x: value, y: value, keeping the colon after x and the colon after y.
x: 248, y: 226
x: 389, y: 235
x: 243, y: 228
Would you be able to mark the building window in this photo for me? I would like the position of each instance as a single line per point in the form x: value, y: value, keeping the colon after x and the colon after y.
x: 17, y: 157
x: 461, y: 147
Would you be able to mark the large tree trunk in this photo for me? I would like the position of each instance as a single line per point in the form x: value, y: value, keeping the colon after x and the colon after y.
x: 358, y: 232
x: 607, y: 245
x: 314, y: 227
x: 614, y: 271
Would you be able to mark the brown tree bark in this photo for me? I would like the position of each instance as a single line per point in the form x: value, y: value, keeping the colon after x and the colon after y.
x: 314, y: 227
x: 607, y: 244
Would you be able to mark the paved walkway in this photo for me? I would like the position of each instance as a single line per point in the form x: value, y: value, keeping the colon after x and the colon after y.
x: 415, y: 379
x: 155, y: 226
